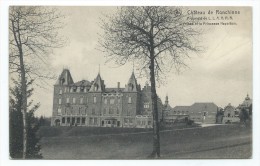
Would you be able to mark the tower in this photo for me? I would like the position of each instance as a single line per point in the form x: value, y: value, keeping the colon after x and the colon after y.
x: 61, y: 86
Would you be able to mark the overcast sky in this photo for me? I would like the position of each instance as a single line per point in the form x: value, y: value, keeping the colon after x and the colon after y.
x: 222, y: 74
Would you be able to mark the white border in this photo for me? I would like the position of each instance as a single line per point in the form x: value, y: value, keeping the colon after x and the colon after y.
x: 4, y: 4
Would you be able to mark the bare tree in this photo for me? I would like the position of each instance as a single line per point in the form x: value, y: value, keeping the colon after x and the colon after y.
x: 33, y: 33
x: 157, y: 38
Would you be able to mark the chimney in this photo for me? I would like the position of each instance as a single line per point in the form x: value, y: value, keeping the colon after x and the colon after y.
x: 118, y: 85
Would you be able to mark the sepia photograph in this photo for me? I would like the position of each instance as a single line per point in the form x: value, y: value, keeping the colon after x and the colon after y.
x: 130, y: 82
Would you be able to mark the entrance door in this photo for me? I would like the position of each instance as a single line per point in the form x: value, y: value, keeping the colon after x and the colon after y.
x: 57, y: 122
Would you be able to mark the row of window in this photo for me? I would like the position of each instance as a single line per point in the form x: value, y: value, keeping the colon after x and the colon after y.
x: 111, y: 101
x: 143, y: 122
x: 78, y: 120
x: 83, y: 111
x: 94, y: 121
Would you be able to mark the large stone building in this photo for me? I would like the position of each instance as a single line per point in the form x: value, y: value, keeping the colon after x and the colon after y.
x: 198, y: 112
x: 86, y: 103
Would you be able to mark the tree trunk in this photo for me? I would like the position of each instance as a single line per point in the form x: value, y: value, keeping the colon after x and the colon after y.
x: 24, y: 106
x: 156, y: 135
x: 17, y: 38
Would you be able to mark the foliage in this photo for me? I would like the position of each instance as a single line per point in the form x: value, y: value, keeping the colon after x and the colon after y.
x: 16, y: 124
x: 33, y: 33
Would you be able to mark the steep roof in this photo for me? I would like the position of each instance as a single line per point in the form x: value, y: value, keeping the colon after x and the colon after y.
x: 229, y: 107
x: 98, y: 85
x: 132, y: 84
x: 210, y: 106
x: 108, y: 90
x: 82, y: 83
x: 181, y: 108
x: 65, y: 78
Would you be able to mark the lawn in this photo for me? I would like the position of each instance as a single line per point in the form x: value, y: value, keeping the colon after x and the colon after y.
x: 229, y: 141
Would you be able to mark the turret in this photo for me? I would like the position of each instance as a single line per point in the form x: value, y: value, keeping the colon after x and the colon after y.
x: 132, y: 85
x: 98, y: 85
x: 65, y: 78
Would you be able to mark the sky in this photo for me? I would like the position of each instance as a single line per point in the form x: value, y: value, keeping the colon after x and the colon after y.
x: 221, y: 74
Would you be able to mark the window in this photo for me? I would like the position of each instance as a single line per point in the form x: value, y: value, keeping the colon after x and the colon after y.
x: 111, y: 111
x: 63, y: 120
x: 96, y: 87
x: 83, y: 120
x: 105, y: 100
x: 90, y: 121
x: 127, y: 113
x: 94, y: 99
x: 83, y: 112
x: 82, y: 89
x: 95, y: 121
x: 81, y: 100
x: 79, y: 112
x: 74, y: 100
x: 68, y: 100
x: 59, y: 101
x: 129, y: 100
x: 130, y: 87
x: 60, y: 92
x: 112, y: 100
x: 74, y: 89
x: 146, y: 105
x: 149, y: 122
x: 78, y: 120
x: 125, y: 120
x: 93, y: 111
x: 104, y: 111
x: 118, y: 99
x: 117, y: 110
x: 59, y: 111
x: 130, y: 120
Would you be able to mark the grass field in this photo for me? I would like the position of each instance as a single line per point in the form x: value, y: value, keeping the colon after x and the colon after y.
x: 229, y: 141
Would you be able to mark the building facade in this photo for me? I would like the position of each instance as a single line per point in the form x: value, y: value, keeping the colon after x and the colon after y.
x: 231, y: 114
x: 198, y: 112
x: 86, y: 103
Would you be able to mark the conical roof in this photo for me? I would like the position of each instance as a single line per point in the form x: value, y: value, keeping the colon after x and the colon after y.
x: 65, y: 78
x: 98, y: 85
x: 132, y: 84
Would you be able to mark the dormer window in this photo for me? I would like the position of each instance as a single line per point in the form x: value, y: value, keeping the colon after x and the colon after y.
x: 60, y: 91
x: 74, y: 88
x: 82, y: 89
x: 130, y: 87
x: 62, y: 80
x: 96, y: 87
